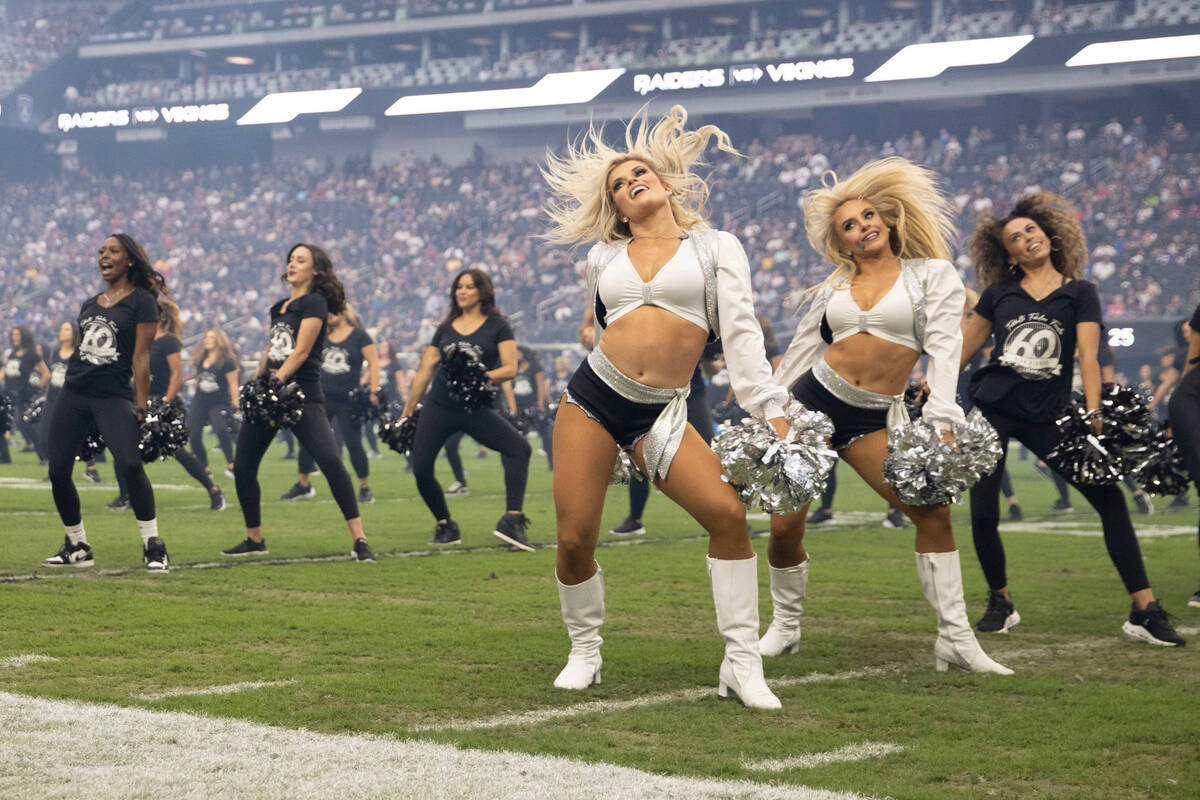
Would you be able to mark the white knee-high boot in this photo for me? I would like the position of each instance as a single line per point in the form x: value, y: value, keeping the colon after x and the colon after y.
x: 735, y: 594
x: 941, y: 581
x: 583, y: 614
x: 788, y: 585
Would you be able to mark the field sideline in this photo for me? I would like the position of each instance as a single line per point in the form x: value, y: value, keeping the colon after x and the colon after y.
x: 306, y: 674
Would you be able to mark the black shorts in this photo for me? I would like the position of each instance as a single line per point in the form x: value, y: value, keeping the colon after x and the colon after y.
x: 626, y: 421
x: 849, y: 422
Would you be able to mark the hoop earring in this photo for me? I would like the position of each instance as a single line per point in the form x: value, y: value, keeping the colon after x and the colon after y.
x: 1052, y: 247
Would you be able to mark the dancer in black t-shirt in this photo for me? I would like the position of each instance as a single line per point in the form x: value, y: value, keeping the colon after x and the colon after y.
x: 1185, y: 411
x: 475, y: 324
x: 68, y: 340
x: 117, y: 328
x: 1039, y: 310
x: 166, y: 379
x: 347, y: 346
x: 25, y: 375
x: 294, y: 354
x: 216, y: 398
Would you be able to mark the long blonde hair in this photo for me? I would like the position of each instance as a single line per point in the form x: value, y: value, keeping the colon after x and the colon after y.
x: 908, y: 199
x: 582, y: 209
x: 225, y: 348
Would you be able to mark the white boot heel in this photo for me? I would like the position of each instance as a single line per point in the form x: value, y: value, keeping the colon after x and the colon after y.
x: 956, y: 646
x: 788, y: 585
x: 735, y: 595
x: 583, y: 614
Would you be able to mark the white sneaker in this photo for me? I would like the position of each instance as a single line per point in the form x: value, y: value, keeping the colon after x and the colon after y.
x: 457, y: 489
x: 71, y: 555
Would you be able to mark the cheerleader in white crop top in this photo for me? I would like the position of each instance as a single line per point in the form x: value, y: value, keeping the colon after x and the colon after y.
x: 893, y: 295
x: 662, y: 285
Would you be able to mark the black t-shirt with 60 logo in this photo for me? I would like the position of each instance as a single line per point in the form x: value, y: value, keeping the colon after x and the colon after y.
x: 1029, y: 374
x: 102, y: 365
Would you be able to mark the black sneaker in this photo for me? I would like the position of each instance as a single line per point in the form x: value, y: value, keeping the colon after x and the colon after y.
x: 819, y: 516
x: 289, y: 456
x: 247, y: 547
x: 92, y: 474
x: 630, y: 527
x: 1000, y: 615
x: 154, y: 556
x: 1194, y: 600
x: 1144, y: 506
x: 1015, y: 514
x: 121, y: 503
x: 511, y: 528
x: 71, y: 555
x: 895, y: 519
x: 457, y: 489
x: 298, y: 492
x: 1062, y: 505
x: 217, y: 500
x: 1151, y: 625
x: 365, y: 496
x: 362, y: 551
x: 447, y: 533
x: 1180, y: 501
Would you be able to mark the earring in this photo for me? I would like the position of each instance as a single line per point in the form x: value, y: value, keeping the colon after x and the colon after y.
x: 1052, y: 247
x: 625, y: 219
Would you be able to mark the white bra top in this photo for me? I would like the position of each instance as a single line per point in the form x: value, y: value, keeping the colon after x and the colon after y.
x: 890, y: 319
x: 678, y: 287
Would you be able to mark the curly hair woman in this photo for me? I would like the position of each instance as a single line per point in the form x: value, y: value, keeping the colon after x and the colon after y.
x: 662, y: 285
x: 1030, y: 265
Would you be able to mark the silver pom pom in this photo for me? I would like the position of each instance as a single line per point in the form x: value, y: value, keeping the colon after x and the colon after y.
x: 779, y: 476
x: 923, y: 470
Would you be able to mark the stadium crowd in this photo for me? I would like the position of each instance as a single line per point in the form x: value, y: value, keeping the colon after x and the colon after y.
x: 34, y: 35
x: 396, y: 231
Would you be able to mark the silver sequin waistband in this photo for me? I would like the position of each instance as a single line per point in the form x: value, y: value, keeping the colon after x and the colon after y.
x: 662, y: 441
x: 855, y: 396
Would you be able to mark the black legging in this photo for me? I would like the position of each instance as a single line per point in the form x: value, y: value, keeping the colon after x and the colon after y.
x: 210, y: 409
x: 115, y: 418
x: 454, y: 457
x: 699, y: 416
x: 314, y: 432
x: 1184, y: 413
x: 346, y: 430
x: 435, y: 425
x: 1108, y: 500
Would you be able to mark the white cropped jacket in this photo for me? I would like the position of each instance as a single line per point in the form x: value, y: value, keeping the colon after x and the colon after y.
x: 937, y: 296
x: 729, y: 308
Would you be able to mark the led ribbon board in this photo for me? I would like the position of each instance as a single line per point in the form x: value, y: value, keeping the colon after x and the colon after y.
x: 554, y: 89
x: 1129, y: 50
x: 933, y: 58
x: 280, y: 107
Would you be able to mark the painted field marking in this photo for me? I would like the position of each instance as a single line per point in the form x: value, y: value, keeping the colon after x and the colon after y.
x: 229, y: 688
x: 851, y: 752
x: 541, y: 715
x: 44, y: 485
x: 1187, y: 631
x: 25, y: 659
x: 104, y: 751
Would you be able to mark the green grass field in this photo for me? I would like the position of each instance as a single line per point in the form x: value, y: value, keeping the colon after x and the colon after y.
x: 459, y: 647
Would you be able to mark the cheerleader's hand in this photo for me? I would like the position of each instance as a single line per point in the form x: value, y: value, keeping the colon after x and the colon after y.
x: 781, y: 426
x: 948, y: 438
x: 1097, y: 425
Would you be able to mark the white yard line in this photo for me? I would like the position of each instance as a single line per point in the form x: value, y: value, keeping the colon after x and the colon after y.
x: 25, y: 659
x: 83, y: 751
x: 851, y: 752
x: 609, y: 706
x: 229, y: 688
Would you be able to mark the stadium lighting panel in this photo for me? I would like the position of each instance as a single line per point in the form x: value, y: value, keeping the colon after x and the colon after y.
x: 933, y: 58
x: 554, y: 89
x: 279, y: 107
x: 1127, y: 50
